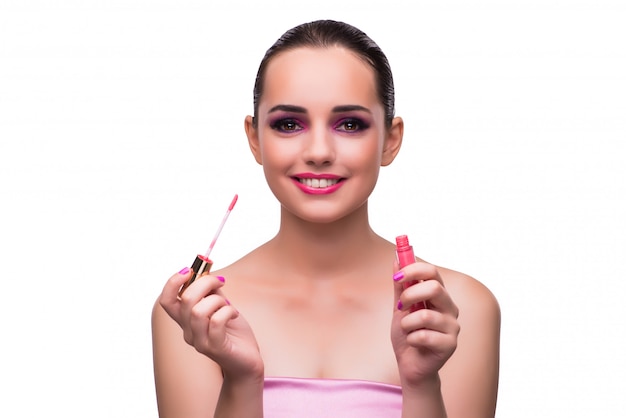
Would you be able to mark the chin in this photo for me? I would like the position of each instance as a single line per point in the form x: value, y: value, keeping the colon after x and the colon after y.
x: 322, y: 212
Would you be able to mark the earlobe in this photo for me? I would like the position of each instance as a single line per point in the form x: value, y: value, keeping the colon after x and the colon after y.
x: 393, y: 141
x: 253, y: 138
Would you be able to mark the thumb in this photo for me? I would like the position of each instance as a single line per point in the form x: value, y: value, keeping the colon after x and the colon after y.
x: 398, y: 286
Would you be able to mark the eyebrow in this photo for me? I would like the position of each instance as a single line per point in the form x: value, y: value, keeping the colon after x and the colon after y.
x: 288, y: 108
x: 350, y: 108
x: 336, y: 109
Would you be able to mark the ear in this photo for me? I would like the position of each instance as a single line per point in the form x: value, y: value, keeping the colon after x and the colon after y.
x: 393, y: 141
x: 253, y: 139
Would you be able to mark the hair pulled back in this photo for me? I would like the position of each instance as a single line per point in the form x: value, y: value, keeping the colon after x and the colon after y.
x: 329, y: 33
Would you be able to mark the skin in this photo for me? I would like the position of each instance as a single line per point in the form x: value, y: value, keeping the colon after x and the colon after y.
x: 318, y: 300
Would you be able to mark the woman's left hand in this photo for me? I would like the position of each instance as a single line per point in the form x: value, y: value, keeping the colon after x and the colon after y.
x: 424, y: 339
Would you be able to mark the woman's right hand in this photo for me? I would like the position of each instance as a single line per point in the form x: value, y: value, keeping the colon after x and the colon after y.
x: 212, y: 326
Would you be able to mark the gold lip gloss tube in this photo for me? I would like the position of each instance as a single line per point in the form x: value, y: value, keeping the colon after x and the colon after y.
x: 201, y: 266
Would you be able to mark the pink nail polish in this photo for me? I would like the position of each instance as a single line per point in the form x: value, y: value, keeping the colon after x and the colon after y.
x: 400, y: 305
x: 184, y: 271
x: 221, y: 279
x: 398, y: 276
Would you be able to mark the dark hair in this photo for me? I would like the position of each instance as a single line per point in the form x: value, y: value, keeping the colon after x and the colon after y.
x: 327, y: 33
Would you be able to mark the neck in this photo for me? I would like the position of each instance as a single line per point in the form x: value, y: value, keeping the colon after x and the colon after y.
x: 334, y: 249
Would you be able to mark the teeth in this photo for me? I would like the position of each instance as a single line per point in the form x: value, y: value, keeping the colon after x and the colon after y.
x: 318, y: 183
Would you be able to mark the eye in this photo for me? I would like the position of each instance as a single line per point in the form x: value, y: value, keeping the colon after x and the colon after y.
x: 351, y: 125
x: 286, y: 125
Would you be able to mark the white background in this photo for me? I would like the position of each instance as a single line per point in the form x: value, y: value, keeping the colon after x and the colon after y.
x: 122, y: 143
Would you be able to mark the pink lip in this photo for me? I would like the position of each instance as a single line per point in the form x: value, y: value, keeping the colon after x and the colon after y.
x: 312, y: 190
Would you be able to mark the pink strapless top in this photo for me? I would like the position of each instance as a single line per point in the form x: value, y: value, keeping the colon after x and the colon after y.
x: 325, y: 398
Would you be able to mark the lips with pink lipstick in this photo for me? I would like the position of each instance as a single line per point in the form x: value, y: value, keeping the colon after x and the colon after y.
x: 311, y: 183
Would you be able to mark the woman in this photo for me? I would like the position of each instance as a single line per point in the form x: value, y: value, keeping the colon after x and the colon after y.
x: 317, y: 321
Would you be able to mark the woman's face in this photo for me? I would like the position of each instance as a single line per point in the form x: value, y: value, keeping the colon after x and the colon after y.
x: 320, y: 133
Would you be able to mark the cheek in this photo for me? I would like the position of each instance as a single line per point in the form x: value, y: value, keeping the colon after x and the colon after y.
x: 366, y: 154
x: 277, y: 154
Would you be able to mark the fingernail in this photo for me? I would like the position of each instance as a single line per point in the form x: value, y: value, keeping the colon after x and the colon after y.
x: 400, y: 305
x: 227, y: 301
x: 398, y: 276
x: 221, y: 279
x: 184, y: 271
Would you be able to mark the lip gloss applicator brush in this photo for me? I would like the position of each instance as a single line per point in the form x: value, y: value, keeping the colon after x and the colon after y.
x: 202, y: 264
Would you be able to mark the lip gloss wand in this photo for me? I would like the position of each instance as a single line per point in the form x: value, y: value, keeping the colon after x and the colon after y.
x: 202, y: 264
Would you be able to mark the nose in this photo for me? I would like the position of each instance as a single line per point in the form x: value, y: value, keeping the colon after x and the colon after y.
x: 319, y: 148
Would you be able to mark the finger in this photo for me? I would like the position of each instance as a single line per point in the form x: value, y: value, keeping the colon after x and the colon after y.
x: 219, y: 322
x: 428, y: 319
x: 418, y: 271
x: 434, y: 293
x: 169, y: 296
x: 431, y: 330
x: 410, y: 275
x: 201, y: 314
x: 173, y: 284
x: 434, y: 341
x: 201, y: 287
x: 398, y: 286
x: 396, y: 265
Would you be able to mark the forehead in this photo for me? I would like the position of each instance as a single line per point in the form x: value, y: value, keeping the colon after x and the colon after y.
x: 319, y: 76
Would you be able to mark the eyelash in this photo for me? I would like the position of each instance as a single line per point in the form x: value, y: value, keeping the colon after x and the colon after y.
x: 359, y: 125
x: 295, y: 125
x: 280, y: 124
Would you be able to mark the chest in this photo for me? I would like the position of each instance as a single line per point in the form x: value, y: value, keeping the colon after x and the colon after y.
x: 339, y: 335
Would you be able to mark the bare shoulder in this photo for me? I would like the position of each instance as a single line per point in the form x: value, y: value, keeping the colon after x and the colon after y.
x: 187, y: 383
x: 469, y: 293
x: 470, y: 377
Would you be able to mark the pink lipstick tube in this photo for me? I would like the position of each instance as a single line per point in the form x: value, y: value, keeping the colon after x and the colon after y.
x: 200, y: 266
x: 404, y: 252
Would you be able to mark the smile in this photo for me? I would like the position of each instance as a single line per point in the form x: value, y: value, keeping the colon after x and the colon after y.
x: 318, y: 183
